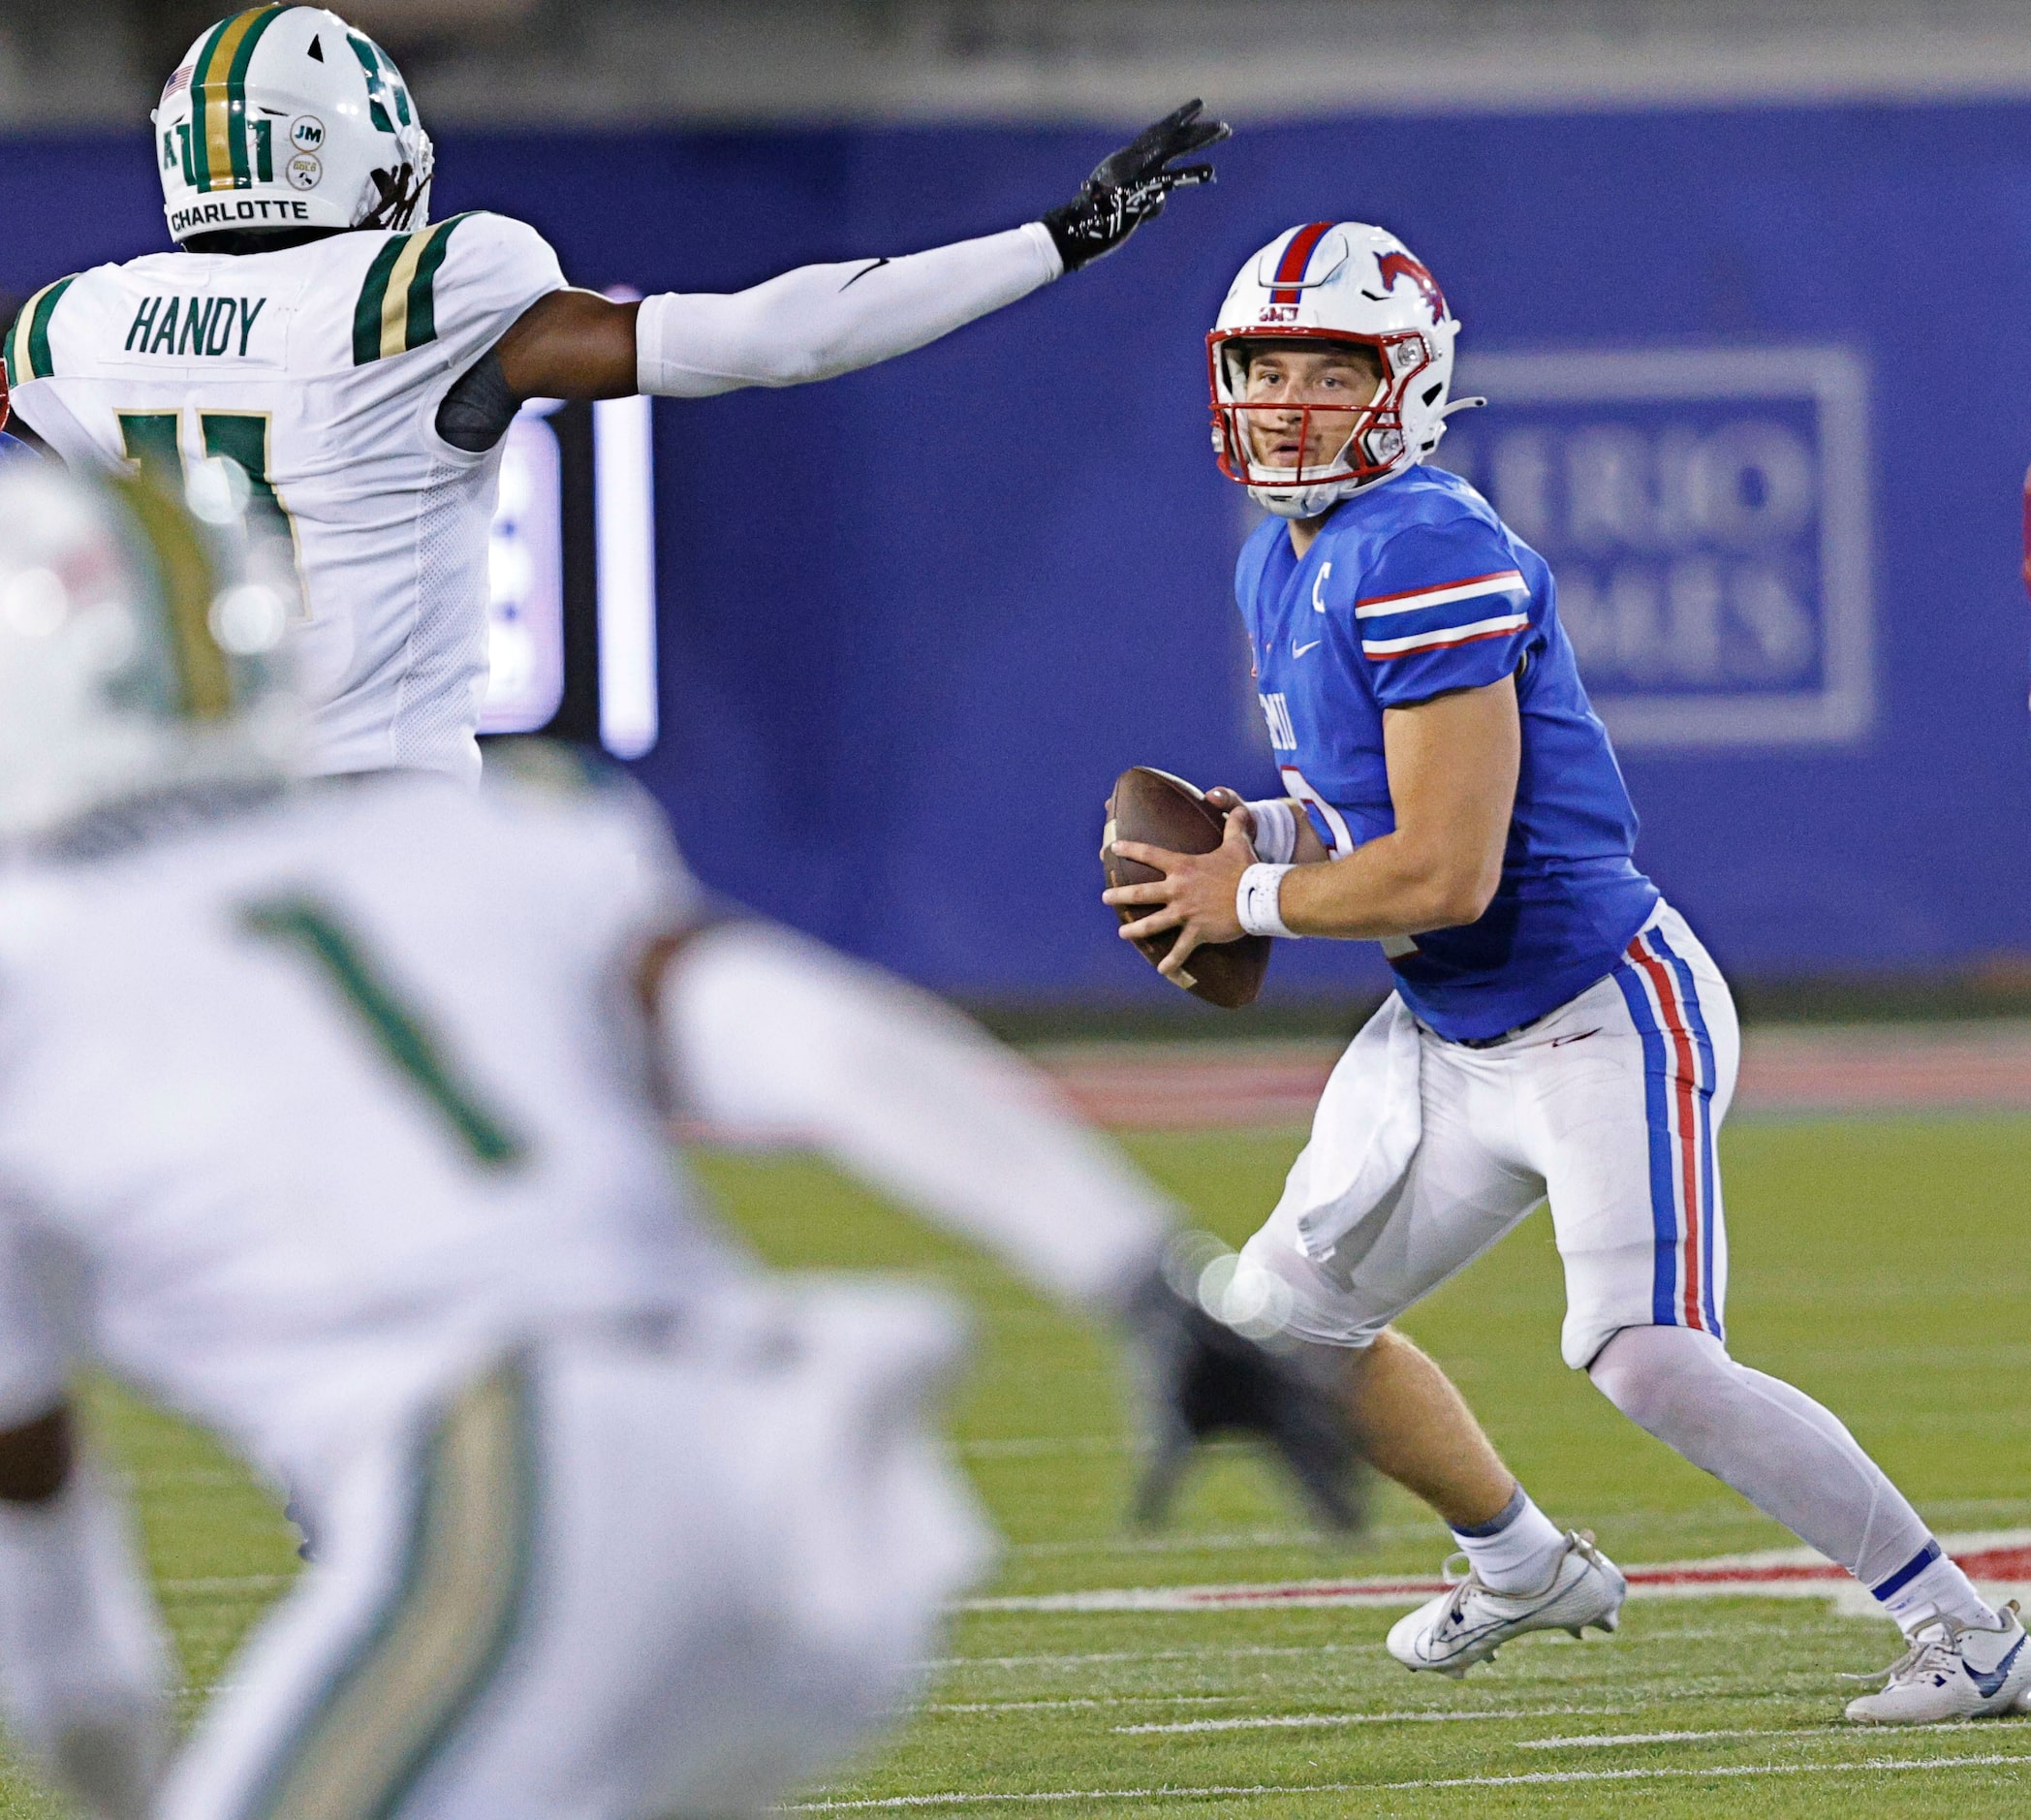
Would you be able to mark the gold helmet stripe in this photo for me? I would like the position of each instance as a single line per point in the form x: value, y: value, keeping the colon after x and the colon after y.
x: 219, y: 98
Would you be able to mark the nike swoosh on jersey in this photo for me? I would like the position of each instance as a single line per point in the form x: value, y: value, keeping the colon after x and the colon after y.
x: 1298, y: 650
x: 873, y: 265
x: 1990, y: 1684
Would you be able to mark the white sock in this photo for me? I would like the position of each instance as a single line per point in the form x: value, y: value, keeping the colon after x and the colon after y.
x: 1790, y: 1458
x: 1932, y: 1584
x: 1516, y: 1549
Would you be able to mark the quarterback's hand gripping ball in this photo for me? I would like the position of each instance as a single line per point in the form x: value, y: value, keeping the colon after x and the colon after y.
x: 1160, y: 811
x: 1129, y: 187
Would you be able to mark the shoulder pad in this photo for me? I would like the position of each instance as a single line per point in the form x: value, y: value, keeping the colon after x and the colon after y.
x: 26, y: 345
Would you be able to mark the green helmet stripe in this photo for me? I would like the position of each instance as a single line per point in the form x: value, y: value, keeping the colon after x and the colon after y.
x: 236, y: 92
x: 203, y: 105
x: 218, y: 99
x: 370, y: 59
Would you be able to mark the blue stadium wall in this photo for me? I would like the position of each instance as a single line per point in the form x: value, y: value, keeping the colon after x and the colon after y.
x: 1762, y: 387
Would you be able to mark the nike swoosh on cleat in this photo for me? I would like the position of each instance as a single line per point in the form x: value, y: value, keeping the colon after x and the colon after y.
x: 1990, y: 1685
x: 873, y: 265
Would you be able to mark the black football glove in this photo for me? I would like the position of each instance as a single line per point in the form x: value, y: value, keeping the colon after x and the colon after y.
x: 1204, y: 1379
x: 1129, y: 186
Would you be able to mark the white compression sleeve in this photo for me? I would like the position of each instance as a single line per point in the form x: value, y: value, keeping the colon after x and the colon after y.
x: 773, y: 1036
x: 82, y: 1661
x: 1790, y: 1457
x: 821, y: 321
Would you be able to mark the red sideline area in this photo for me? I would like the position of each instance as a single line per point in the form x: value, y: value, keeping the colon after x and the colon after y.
x: 1175, y: 1086
x: 2000, y: 1559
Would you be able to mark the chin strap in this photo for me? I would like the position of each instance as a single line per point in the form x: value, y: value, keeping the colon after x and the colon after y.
x: 1464, y: 404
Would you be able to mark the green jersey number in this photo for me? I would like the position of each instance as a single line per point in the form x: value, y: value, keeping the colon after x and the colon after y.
x: 153, y: 441
x: 316, y: 931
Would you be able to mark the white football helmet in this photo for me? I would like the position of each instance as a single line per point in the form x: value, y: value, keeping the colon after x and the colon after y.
x: 137, y: 653
x: 284, y: 116
x: 1335, y: 281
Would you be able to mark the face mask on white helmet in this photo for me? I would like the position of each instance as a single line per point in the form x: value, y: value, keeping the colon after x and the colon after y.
x: 286, y: 117
x: 1314, y: 289
x: 140, y: 648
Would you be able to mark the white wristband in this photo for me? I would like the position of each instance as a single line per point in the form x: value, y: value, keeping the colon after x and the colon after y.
x: 1275, y: 830
x: 1256, y: 901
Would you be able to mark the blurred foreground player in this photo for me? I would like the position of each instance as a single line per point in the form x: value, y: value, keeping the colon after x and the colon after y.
x: 1556, y: 1028
x: 332, y: 1116
x: 362, y: 365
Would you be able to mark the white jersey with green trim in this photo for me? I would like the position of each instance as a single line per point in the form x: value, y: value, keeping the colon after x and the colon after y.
x: 318, y: 369
x: 307, y: 1102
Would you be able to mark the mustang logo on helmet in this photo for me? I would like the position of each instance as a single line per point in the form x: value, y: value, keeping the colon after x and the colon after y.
x: 1396, y: 265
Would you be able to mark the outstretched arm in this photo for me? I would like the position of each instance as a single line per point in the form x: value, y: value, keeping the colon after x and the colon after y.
x: 770, y: 1035
x: 776, y: 1036
x: 821, y: 321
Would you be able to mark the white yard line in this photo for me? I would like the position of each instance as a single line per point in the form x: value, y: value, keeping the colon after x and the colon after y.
x: 1150, y: 1655
x: 1878, y: 1766
x: 1043, y: 1446
x: 1096, y: 1700
x: 1843, y: 1732
x: 1416, y: 1715
x: 228, y: 1583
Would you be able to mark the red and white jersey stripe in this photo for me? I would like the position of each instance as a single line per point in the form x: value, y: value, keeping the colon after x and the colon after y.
x: 1400, y: 634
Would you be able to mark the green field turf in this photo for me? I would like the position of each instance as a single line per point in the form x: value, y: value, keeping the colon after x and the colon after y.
x: 1882, y: 1266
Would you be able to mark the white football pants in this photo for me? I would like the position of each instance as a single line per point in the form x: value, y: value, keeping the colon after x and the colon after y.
x: 614, y: 1579
x: 1425, y: 1153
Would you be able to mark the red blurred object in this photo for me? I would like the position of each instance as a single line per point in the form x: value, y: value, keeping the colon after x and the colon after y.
x: 2027, y: 504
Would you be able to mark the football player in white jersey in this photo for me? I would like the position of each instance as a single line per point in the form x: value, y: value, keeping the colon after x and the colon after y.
x: 331, y: 1115
x: 362, y: 365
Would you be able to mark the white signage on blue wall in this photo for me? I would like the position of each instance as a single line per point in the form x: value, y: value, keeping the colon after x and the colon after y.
x: 1705, y: 512
x: 526, y: 568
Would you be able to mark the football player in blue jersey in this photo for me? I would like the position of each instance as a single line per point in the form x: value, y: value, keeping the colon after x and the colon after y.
x: 1556, y: 1029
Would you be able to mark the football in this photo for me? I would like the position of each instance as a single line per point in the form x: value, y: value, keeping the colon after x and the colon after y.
x: 1165, y: 811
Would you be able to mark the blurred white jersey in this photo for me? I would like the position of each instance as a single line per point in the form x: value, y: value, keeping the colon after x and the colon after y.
x: 320, y: 370
x: 309, y: 1106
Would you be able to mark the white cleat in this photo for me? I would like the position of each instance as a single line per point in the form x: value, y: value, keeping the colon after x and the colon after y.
x: 1953, y: 1670
x: 1469, y: 1621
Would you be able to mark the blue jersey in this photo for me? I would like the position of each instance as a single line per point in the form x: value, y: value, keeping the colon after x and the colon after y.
x: 1408, y: 592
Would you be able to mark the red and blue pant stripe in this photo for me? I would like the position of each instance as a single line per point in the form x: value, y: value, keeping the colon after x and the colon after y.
x: 1678, y: 1085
